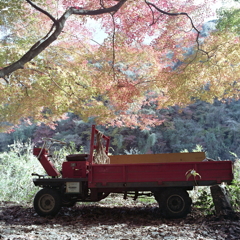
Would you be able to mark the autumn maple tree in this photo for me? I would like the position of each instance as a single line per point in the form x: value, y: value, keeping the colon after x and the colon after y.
x: 146, y: 55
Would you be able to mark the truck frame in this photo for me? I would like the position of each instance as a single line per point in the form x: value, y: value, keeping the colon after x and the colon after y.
x: 168, y: 177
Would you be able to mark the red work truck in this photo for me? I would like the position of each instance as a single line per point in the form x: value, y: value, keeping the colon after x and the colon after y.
x: 168, y: 177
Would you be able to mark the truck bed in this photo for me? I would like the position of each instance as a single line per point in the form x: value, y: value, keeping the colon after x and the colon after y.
x: 145, y: 175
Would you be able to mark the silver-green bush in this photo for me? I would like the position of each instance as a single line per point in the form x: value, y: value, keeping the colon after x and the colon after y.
x: 16, y: 167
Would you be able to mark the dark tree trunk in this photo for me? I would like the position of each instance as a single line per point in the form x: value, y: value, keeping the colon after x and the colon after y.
x: 222, y: 203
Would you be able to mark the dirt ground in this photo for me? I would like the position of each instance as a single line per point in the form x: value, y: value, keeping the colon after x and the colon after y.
x: 121, y: 221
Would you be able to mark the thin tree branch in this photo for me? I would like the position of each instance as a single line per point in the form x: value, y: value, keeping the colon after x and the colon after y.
x: 179, y: 14
x: 42, y: 11
x: 113, y: 9
x: 173, y: 14
x: 5, y: 79
x: 56, y: 84
x: 113, y: 48
x: 58, y: 25
x: 35, y: 70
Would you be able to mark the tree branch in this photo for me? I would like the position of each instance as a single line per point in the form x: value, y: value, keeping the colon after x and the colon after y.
x: 179, y: 14
x: 52, y: 35
x: 173, y: 14
x: 113, y: 9
x: 42, y: 11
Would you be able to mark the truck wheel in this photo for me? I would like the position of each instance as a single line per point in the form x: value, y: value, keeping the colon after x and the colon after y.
x: 174, y: 203
x: 47, y: 202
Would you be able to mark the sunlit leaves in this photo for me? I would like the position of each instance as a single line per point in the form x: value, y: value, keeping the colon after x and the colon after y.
x: 229, y: 19
x: 141, y: 61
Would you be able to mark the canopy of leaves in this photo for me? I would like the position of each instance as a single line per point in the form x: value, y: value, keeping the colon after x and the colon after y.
x: 53, y: 62
x: 217, y: 69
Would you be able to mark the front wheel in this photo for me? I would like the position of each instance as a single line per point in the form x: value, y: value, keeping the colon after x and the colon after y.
x: 47, y: 202
x: 174, y: 203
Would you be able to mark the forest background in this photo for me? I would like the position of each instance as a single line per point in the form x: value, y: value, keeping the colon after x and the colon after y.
x: 213, y: 128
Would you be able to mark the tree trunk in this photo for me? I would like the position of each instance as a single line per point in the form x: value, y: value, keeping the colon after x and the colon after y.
x: 222, y: 203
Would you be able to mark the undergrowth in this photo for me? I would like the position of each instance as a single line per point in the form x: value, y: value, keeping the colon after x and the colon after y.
x: 234, y: 189
x: 16, y: 167
x: 202, y: 198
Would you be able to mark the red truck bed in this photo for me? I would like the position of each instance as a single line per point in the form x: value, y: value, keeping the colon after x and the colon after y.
x: 172, y: 174
x: 159, y: 174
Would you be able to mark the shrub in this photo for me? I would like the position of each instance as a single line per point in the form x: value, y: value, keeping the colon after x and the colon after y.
x: 202, y: 196
x: 16, y: 167
x: 59, y: 154
x: 202, y: 200
x: 234, y: 189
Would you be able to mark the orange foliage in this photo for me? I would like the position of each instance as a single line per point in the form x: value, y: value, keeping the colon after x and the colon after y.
x: 122, y: 78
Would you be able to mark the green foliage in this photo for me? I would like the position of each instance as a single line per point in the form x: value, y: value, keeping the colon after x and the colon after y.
x: 23, y: 132
x: 16, y: 167
x: 234, y: 189
x: 213, y: 126
x: 146, y: 142
x: 198, y: 148
x: 229, y: 20
x: 204, y: 200
x: 59, y: 154
x: 6, y: 6
x: 146, y: 200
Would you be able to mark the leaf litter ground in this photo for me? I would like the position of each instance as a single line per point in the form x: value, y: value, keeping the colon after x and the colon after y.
x: 113, y: 218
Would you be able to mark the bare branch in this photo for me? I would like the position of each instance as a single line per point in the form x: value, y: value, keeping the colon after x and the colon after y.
x: 35, y: 70
x: 173, y: 14
x: 179, y: 14
x: 5, y: 79
x: 113, y: 48
x: 112, y: 9
x: 58, y: 25
x: 42, y: 11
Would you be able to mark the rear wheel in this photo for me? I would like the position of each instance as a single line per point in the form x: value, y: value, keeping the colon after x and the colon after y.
x: 47, y: 202
x: 174, y: 203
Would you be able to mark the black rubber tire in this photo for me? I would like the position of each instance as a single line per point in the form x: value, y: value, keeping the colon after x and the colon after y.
x: 47, y: 202
x: 174, y: 203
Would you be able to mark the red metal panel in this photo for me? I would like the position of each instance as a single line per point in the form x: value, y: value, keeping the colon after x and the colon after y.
x: 42, y: 155
x: 74, y: 169
x: 160, y: 172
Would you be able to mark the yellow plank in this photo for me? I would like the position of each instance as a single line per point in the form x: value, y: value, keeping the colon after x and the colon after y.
x: 158, y: 158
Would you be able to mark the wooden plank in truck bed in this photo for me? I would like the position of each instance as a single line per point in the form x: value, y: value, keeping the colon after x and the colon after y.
x: 158, y: 158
